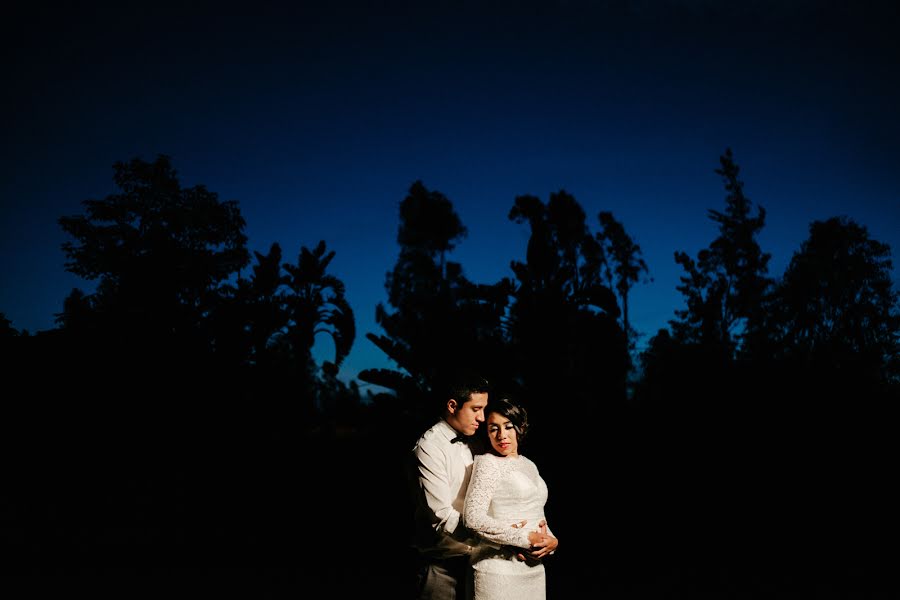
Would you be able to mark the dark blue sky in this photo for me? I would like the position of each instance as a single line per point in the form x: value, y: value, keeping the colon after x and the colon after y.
x: 317, y: 120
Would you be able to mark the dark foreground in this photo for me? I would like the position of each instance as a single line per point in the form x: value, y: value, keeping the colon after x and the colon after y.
x: 250, y: 506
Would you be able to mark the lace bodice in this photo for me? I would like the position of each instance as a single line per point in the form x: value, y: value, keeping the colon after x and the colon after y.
x: 503, y: 491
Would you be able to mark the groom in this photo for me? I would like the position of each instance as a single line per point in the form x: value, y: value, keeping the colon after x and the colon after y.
x: 442, y: 462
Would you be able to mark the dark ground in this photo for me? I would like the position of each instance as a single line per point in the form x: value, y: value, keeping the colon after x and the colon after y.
x: 250, y: 507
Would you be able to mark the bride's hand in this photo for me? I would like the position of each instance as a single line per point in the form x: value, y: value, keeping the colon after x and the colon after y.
x: 542, y: 545
x: 520, y: 524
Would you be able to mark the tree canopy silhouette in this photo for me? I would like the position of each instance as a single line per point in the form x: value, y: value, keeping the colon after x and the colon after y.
x: 563, y: 324
x: 835, y: 305
x: 725, y: 287
x: 441, y: 321
x: 624, y: 263
x: 318, y: 305
x: 429, y: 224
x: 158, y: 250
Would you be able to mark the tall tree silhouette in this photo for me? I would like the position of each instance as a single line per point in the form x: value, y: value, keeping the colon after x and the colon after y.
x: 726, y: 292
x: 627, y: 263
x: 836, y: 307
x: 158, y: 250
x: 317, y: 305
x: 429, y: 225
x: 9, y: 339
x: 6, y: 329
x: 268, y: 315
x: 441, y: 321
x: 569, y: 354
x: 78, y: 313
x: 269, y: 322
x: 562, y: 259
x: 563, y: 325
x: 725, y: 287
x: 251, y: 313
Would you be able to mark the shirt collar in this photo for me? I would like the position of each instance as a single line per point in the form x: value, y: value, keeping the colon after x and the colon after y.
x: 447, y: 430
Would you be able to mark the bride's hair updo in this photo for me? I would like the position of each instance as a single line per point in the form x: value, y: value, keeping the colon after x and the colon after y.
x: 516, y: 414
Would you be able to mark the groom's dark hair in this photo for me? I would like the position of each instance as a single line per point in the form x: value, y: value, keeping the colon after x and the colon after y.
x: 462, y: 384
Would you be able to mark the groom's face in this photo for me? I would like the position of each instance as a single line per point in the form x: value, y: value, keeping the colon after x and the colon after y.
x: 467, y: 416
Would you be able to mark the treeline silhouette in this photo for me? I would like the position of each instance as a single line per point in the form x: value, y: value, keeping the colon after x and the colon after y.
x: 176, y: 417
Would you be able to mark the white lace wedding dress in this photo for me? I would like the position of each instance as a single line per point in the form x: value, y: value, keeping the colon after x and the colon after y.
x: 503, y: 491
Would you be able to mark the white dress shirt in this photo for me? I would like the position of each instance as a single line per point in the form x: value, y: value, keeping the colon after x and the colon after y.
x: 443, y: 468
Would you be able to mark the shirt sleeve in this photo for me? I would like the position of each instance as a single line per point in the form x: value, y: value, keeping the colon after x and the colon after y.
x: 434, y: 478
x: 486, y: 477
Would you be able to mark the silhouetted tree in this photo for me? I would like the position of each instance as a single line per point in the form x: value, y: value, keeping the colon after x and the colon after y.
x: 339, y: 402
x: 836, y: 308
x: 836, y: 354
x: 704, y: 365
x: 569, y: 353
x: 563, y: 326
x: 621, y: 250
x: 442, y: 322
x: 78, y: 313
x: 316, y: 304
x: 725, y: 288
x: 249, y: 313
x: 6, y: 328
x: 10, y: 351
x: 268, y: 314
x: 429, y: 224
x: 159, y: 250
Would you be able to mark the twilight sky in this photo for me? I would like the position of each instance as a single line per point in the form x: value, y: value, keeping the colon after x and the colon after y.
x: 317, y: 117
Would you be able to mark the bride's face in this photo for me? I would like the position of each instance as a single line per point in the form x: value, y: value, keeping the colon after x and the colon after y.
x: 503, y: 435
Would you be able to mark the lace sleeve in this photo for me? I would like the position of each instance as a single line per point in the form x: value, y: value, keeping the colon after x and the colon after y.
x: 487, y: 474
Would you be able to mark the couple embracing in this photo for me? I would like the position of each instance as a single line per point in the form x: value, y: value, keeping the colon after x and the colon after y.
x: 480, y: 526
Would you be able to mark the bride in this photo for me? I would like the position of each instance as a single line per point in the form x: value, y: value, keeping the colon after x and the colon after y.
x: 506, y: 487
